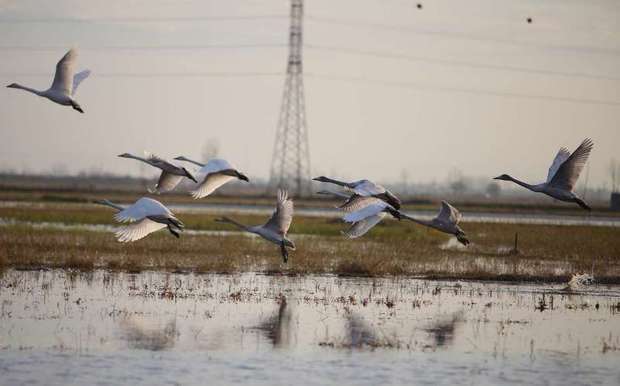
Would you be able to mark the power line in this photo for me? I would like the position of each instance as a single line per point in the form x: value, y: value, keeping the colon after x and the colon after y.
x: 459, y: 36
x: 144, y: 47
x: 156, y: 74
x: 169, y: 19
x: 447, y: 89
x: 459, y: 63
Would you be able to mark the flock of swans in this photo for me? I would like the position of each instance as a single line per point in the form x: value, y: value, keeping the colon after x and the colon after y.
x: 365, y: 203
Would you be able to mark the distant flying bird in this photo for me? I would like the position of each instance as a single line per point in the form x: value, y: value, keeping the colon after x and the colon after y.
x: 216, y: 172
x: 363, y: 213
x: 563, y: 175
x: 65, y: 83
x: 365, y: 188
x: 447, y: 221
x: 170, y: 176
x: 276, y: 228
x: 146, y: 216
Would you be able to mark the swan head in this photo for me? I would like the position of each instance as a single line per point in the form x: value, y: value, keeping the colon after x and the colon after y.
x: 503, y: 177
x: 321, y: 179
x: 189, y: 175
x: 13, y: 85
x: 242, y: 176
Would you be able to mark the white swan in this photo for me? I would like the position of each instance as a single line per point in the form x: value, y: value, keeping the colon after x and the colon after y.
x: 562, y: 176
x: 147, y: 216
x: 216, y: 172
x: 65, y: 83
x: 276, y: 228
x: 447, y: 221
x: 365, y: 188
x: 362, y: 212
x: 170, y: 175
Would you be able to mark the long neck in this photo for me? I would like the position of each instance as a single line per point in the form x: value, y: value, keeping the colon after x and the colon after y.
x: 138, y: 158
x: 110, y: 204
x: 524, y: 184
x: 416, y: 220
x: 335, y: 194
x: 189, y: 160
x: 39, y: 93
x: 238, y: 224
x: 332, y: 181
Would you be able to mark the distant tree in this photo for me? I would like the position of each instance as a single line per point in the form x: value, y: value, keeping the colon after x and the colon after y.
x: 456, y: 181
x: 493, y: 189
x: 210, y: 149
x: 614, y: 173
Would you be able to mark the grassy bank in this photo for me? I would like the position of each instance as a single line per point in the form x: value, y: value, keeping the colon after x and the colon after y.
x: 550, y: 253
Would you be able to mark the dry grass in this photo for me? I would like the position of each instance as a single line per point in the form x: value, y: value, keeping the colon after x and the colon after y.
x: 392, y: 248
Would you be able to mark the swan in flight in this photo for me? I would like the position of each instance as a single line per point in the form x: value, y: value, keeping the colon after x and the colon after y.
x: 170, y: 176
x: 216, y: 172
x: 146, y: 216
x: 562, y: 176
x: 446, y: 221
x: 365, y: 188
x: 276, y: 227
x: 363, y: 213
x: 65, y: 83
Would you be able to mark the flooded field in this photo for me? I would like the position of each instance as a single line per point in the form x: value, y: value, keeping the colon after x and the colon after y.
x: 101, y: 327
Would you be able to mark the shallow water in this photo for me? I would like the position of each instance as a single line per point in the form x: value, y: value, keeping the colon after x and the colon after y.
x: 486, y: 217
x: 59, y: 327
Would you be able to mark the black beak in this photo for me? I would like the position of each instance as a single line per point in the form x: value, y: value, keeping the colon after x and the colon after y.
x: 243, y: 177
x: 78, y: 108
x: 191, y: 178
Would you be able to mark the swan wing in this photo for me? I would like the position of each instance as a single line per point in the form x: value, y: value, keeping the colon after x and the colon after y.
x: 559, y: 159
x: 360, y: 228
x: 215, y: 165
x: 367, y: 188
x: 281, y: 219
x: 78, y: 78
x: 356, y: 202
x: 137, y: 230
x: 142, y: 208
x: 63, y: 78
x: 449, y: 214
x: 367, y: 211
x: 568, y: 172
x: 210, y: 183
x: 167, y: 181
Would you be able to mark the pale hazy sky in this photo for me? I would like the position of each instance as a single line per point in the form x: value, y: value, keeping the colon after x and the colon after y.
x: 468, y: 85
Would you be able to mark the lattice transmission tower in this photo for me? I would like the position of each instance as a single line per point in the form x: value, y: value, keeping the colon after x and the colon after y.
x: 290, y: 164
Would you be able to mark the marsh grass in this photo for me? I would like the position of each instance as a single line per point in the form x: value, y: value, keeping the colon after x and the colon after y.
x: 392, y: 248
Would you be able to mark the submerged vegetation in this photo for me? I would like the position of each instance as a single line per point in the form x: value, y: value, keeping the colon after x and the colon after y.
x: 545, y: 252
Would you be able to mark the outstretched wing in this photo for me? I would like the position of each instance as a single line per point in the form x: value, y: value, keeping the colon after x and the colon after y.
x: 78, y: 78
x: 449, y: 214
x: 369, y: 210
x: 167, y: 182
x: 360, y: 228
x: 156, y: 160
x: 142, y: 208
x: 281, y: 219
x: 63, y: 78
x: 210, y: 183
x: 559, y: 159
x: 356, y: 202
x: 138, y: 230
x: 367, y: 188
x: 568, y: 172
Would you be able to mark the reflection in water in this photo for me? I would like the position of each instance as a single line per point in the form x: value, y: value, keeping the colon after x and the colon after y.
x: 141, y: 337
x: 278, y: 328
x: 442, y: 329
